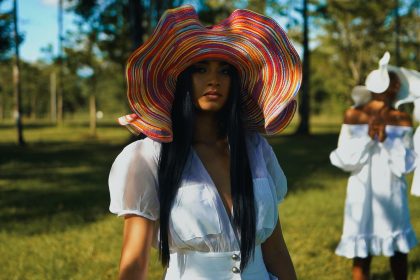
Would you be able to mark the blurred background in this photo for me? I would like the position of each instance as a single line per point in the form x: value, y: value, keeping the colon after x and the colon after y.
x: 62, y: 87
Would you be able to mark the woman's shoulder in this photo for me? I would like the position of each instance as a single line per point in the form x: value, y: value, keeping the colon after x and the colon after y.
x: 143, y: 148
x: 256, y: 139
x: 399, y: 118
x: 355, y: 116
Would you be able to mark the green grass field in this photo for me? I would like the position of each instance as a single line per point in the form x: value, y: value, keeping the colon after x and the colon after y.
x: 55, y: 224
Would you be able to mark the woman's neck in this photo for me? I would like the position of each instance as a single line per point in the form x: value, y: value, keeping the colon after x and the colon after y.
x: 206, y: 130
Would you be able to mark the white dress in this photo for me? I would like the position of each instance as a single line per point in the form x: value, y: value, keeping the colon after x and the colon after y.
x: 203, y: 243
x: 376, y: 214
x: 415, y: 187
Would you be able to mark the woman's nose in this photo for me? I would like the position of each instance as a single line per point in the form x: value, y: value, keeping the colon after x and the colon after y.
x: 213, y: 79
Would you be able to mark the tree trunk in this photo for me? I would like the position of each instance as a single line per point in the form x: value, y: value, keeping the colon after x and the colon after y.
x: 397, y: 34
x: 92, y: 110
x: 304, y: 106
x: 16, y: 80
x: 53, y: 97
x: 1, y: 105
x: 418, y: 39
x: 135, y: 20
x: 60, y: 64
x: 33, y: 107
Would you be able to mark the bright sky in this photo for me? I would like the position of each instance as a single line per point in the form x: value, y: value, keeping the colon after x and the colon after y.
x: 38, y: 22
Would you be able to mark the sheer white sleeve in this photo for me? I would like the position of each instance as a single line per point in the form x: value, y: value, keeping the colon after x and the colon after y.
x: 276, y: 174
x: 352, y: 151
x: 133, y: 183
x: 400, y: 150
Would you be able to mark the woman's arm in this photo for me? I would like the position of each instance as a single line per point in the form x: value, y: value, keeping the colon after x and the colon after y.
x: 137, y: 241
x: 276, y: 256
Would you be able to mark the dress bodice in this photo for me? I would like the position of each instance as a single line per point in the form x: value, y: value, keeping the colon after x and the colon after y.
x: 198, y: 219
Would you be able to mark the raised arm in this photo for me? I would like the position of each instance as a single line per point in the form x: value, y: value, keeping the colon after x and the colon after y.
x: 137, y: 242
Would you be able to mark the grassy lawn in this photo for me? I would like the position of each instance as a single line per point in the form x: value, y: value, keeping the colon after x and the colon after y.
x: 55, y: 224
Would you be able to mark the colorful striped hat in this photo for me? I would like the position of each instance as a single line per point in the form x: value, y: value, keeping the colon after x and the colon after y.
x: 268, y: 65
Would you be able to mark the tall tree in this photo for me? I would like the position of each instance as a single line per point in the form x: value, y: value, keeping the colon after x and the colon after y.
x: 16, y: 78
x: 135, y: 22
x: 6, y: 43
x: 358, y: 33
x: 397, y: 34
x: 304, y: 107
x: 60, y: 85
x: 120, y: 25
x: 410, y: 34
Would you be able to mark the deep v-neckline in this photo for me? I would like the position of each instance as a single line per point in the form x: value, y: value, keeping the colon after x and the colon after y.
x: 209, y: 179
x: 218, y: 199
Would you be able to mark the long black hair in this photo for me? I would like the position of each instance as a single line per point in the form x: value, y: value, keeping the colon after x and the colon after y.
x: 174, y: 155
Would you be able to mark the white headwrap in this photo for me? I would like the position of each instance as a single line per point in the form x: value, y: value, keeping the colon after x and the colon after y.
x: 378, y: 81
x: 360, y: 95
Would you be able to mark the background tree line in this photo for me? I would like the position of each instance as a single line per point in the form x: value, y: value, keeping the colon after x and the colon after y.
x: 340, y: 41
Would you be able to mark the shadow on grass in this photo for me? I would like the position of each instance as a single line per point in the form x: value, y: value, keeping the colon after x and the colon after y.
x: 303, y: 156
x: 48, y: 187
x: 74, y: 124
x: 52, y: 186
x: 27, y: 125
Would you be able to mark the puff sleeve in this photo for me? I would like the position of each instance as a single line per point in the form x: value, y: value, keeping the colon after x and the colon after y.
x: 275, y: 172
x: 353, y: 149
x: 399, y: 147
x: 133, y: 184
x: 415, y: 188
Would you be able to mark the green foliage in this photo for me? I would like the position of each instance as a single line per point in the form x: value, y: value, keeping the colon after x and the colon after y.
x: 410, y: 35
x: 6, y: 31
x: 346, y: 40
x: 55, y: 224
x: 6, y: 89
x: 358, y: 33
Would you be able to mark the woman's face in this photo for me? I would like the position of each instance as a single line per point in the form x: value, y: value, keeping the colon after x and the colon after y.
x: 211, y: 84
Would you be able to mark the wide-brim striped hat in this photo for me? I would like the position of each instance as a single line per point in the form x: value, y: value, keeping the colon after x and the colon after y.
x: 268, y: 65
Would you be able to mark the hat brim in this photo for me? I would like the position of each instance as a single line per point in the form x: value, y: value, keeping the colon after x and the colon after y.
x: 268, y: 66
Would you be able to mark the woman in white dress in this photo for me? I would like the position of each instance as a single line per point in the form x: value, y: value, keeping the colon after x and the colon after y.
x: 415, y: 187
x: 203, y: 185
x: 375, y: 145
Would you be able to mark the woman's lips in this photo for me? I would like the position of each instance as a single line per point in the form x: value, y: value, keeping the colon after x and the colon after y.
x: 212, y: 95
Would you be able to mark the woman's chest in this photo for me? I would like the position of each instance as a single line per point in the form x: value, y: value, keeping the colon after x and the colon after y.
x: 215, y: 167
x: 200, y: 218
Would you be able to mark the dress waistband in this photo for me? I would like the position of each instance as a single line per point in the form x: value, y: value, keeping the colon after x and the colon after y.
x: 212, y: 265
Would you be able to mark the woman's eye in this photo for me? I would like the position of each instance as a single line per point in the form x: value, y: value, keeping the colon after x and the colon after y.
x: 199, y: 69
x: 226, y: 71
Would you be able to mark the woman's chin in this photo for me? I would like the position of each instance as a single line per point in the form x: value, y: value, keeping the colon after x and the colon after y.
x: 210, y: 108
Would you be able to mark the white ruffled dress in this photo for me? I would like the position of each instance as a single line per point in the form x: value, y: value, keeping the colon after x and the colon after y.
x: 203, y: 243
x: 415, y: 187
x: 376, y: 214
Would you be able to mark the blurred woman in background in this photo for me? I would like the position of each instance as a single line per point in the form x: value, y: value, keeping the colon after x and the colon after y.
x: 375, y: 145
